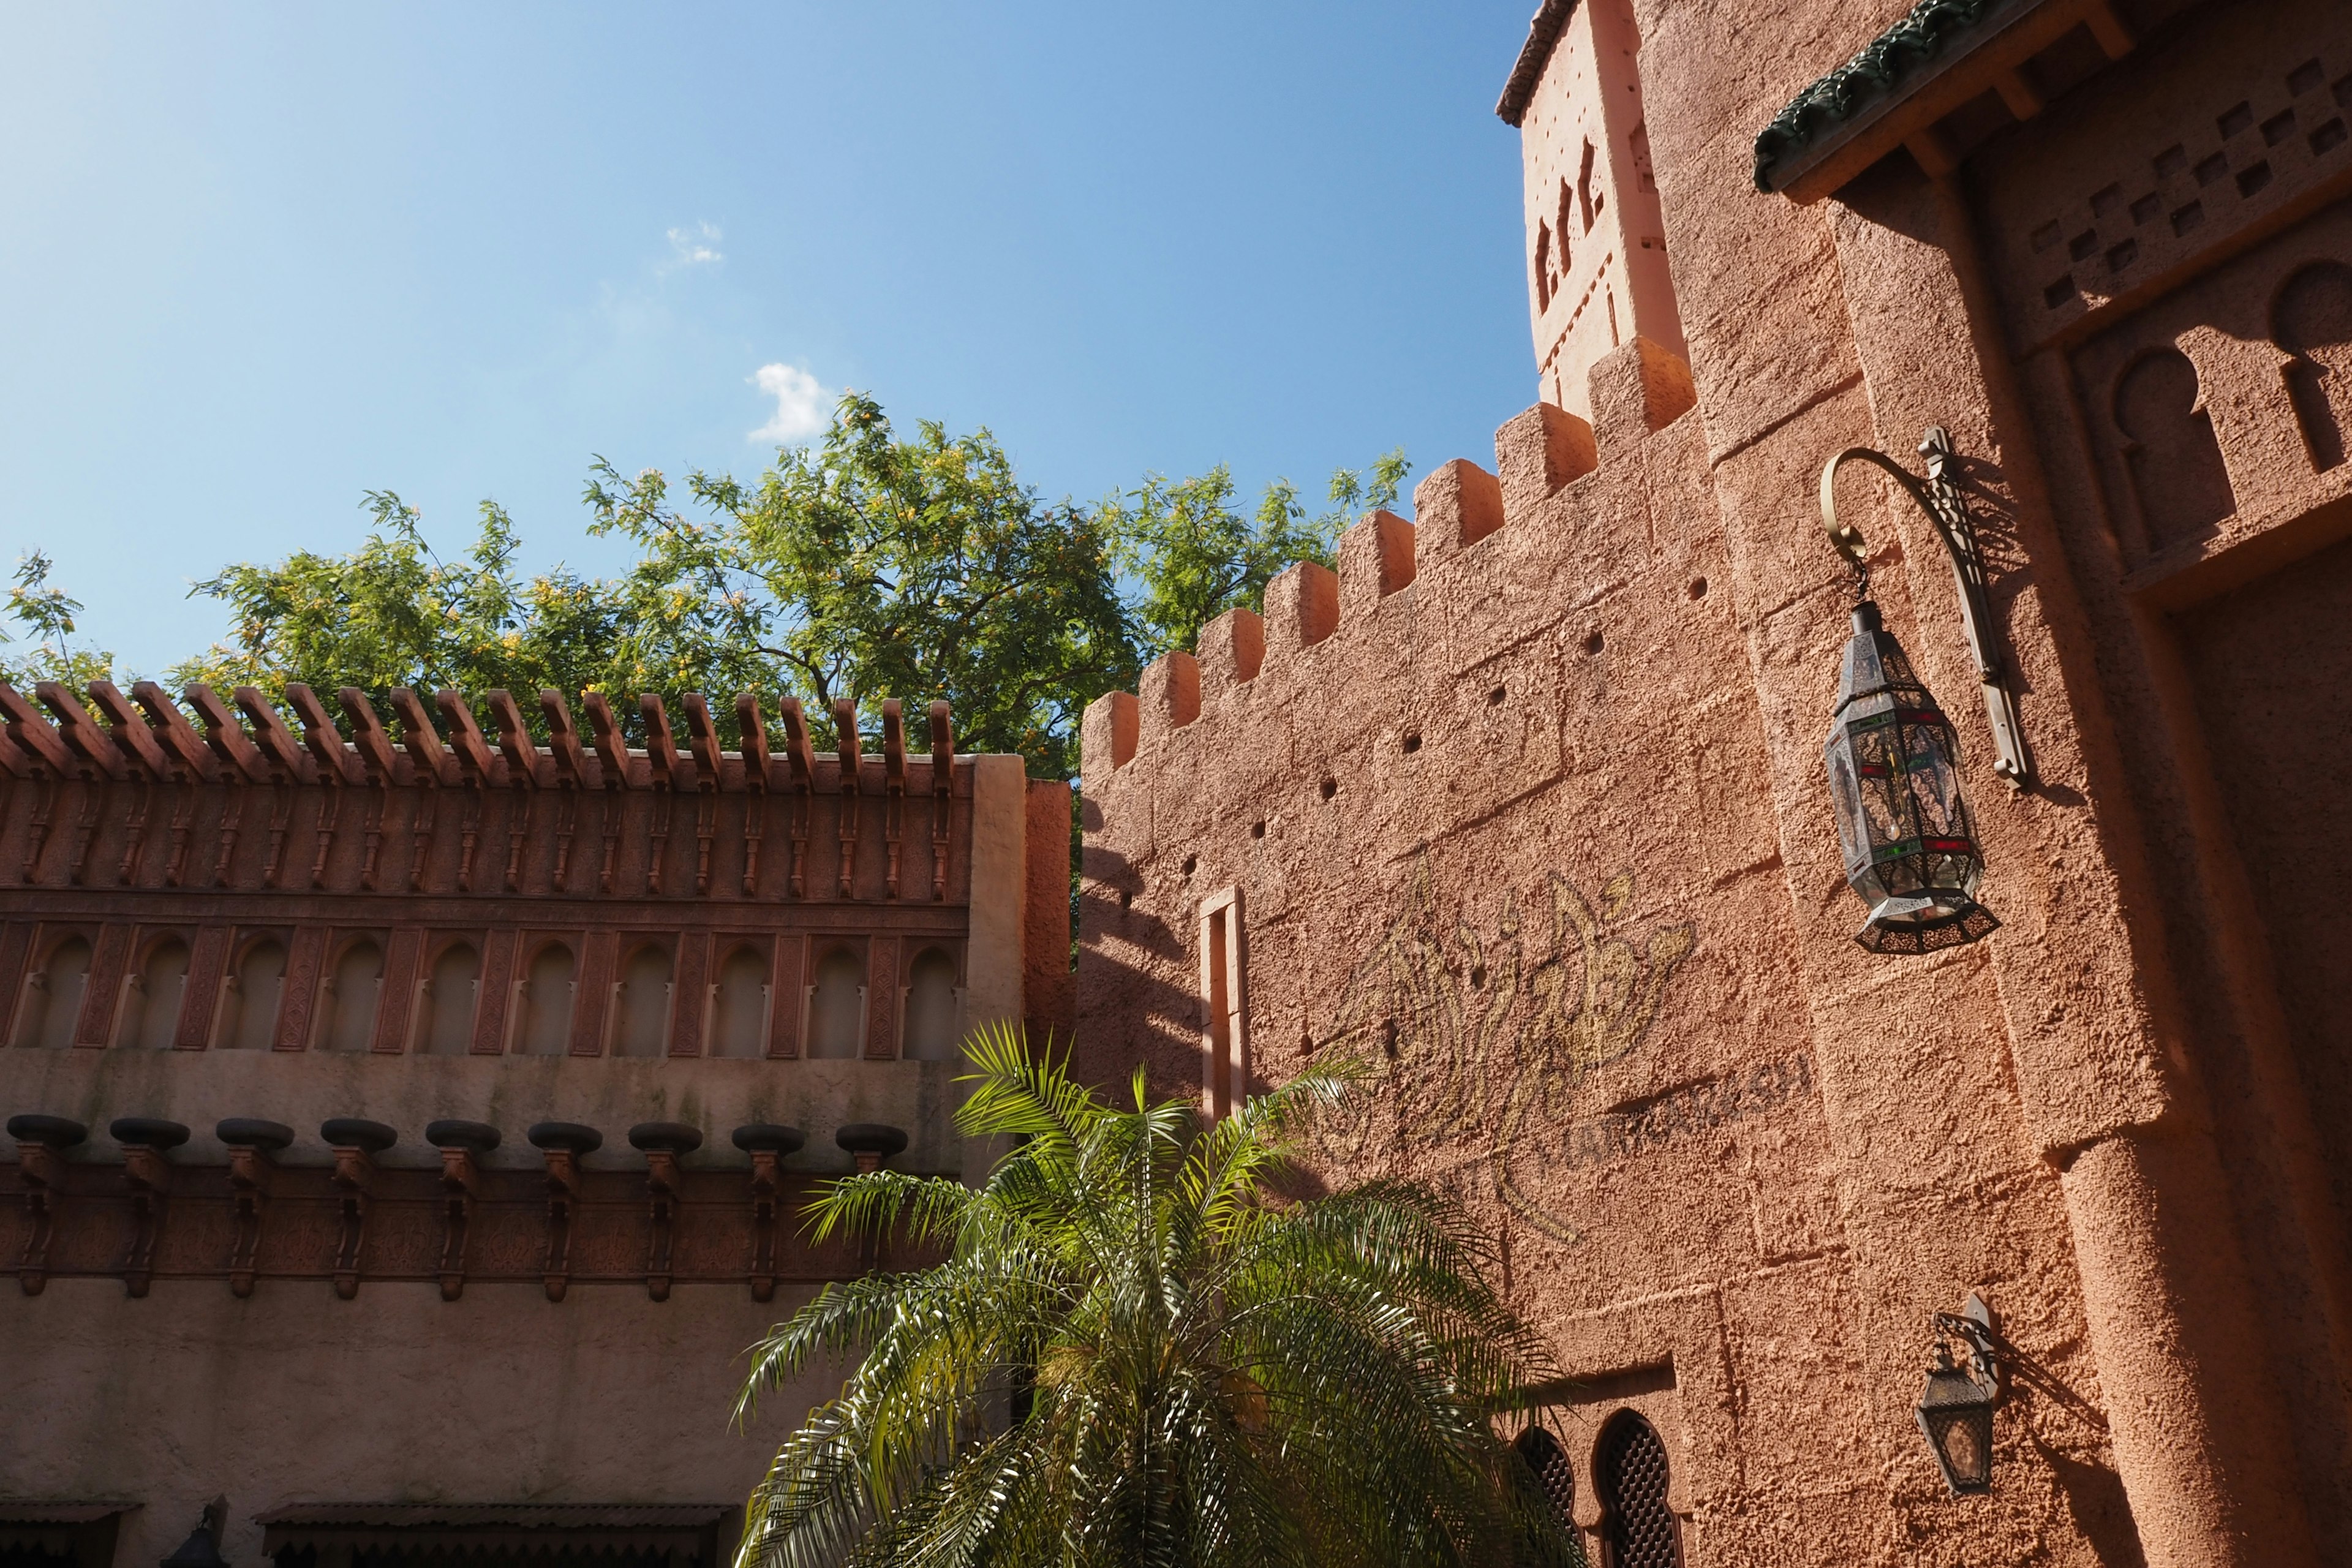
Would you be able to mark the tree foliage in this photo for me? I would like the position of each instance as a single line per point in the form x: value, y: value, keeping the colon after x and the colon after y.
x: 922, y: 569
x: 46, y: 615
x: 1195, y: 556
x: 1134, y: 1353
x: 868, y: 565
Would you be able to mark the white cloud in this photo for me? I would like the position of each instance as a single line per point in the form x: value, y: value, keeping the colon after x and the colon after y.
x: 695, y: 246
x: 801, y: 404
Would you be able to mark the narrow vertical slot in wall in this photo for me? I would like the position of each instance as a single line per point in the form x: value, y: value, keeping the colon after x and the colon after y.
x: 1224, y: 1030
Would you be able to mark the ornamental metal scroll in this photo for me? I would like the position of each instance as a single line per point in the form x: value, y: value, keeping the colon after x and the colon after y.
x: 1938, y: 495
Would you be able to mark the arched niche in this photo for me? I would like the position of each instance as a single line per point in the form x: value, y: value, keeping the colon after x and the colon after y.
x: 53, y: 995
x: 354, y: 991
x: 838, y: 1005
x: 740, y: 1011
x: 257, y: 987
x: 2177, y: 478
x: 641, y: 1017
x: 550, y: 993
x: 2312, y: 319
x: 150, y: 1009
x: 452, y: 988
x: 933, y: 1005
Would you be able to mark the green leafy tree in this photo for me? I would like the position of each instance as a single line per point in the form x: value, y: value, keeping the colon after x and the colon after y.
x: 1194, y: 556
x: 45, y: 615
x: 923, y: 568
x: 1135, y: 1353
x: 866, y: 565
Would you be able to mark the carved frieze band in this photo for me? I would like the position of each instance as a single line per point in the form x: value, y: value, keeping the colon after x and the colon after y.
x: 459, y: 1228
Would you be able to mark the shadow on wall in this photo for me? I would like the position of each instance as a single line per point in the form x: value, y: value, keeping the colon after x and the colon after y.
x: 2095, y: 1499
x: 1131, y: 1017
x: 2312, y: 321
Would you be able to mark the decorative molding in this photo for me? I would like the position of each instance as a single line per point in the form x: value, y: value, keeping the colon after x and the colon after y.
x: 362, y: 1222
x: 250, y: 1173
x: 1874, y: 72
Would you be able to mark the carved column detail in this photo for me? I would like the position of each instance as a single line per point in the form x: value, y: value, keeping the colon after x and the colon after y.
x: 789, y: 989
x: 942, y: 797
x: 882, y: 981
x: 208, y: 967
x: 104, y: 987
x: 252, y: 1147
x: 308, y: 954
x: 691, y: 1000
x: 41, y: 1143
x: 460, y: 1143
x: 398, y: 1000
x: 600, y: 955
x: 497, y: 988
x: 356, y: 1143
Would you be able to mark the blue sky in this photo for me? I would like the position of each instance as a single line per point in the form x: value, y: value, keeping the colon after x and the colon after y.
x: 261, y: 259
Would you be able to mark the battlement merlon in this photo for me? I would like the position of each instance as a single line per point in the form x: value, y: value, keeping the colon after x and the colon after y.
x: 148, y: 737
x: 1635, y: 391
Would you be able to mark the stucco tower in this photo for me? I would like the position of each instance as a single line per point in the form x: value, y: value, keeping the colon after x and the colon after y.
x: 1596, y: 247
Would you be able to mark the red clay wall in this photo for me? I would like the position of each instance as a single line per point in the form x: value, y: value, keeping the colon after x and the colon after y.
x: 1515, y: 813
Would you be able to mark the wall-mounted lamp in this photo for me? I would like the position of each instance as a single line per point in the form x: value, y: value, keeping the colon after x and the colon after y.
x: 1956, y: 1408
x: 1894, y: 762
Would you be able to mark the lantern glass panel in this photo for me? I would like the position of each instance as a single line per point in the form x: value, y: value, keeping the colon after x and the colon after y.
x: 1894, y: 786
x: 1955, y: 1413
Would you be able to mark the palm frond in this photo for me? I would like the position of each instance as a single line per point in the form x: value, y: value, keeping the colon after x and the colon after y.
x: 1208, y: 1375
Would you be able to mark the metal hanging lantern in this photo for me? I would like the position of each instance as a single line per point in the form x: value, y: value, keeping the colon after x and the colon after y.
x: 1955, y: 1411
x: 1895, y: 782
x: 1910, y: 842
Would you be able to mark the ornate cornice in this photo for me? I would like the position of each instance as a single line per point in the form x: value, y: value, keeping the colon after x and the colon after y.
x: 1877, y: 69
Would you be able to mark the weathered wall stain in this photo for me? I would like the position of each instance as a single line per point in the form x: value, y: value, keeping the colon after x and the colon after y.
x: 1476, y: 1034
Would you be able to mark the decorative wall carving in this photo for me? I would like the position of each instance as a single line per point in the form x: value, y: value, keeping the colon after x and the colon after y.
x: 105, y: 988
x: 304, y: 957
x: 358, y: 1222
x: 1481, y: 1037
x: 882, y: 983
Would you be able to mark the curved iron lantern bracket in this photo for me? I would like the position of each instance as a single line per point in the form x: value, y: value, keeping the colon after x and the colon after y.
x: 1939, y: 497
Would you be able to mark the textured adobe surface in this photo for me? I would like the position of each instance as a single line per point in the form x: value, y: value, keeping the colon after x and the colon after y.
x: 1514, y: 809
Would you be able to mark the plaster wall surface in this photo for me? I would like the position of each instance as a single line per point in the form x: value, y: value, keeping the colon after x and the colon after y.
x: 293, y: 1397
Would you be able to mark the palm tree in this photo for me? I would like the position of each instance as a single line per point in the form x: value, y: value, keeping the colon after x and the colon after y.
x: 1135, y: 1353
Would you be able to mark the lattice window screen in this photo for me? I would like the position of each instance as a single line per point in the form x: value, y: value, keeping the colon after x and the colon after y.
x: 1544, y: 1455
x: 1631, y: 1475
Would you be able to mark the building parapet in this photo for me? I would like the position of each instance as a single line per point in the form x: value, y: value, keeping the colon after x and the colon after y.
x: 1540, y: 457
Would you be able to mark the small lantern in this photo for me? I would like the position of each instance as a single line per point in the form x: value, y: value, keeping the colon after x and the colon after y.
x: 1954, y: 1410
x: 1894, y: 781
